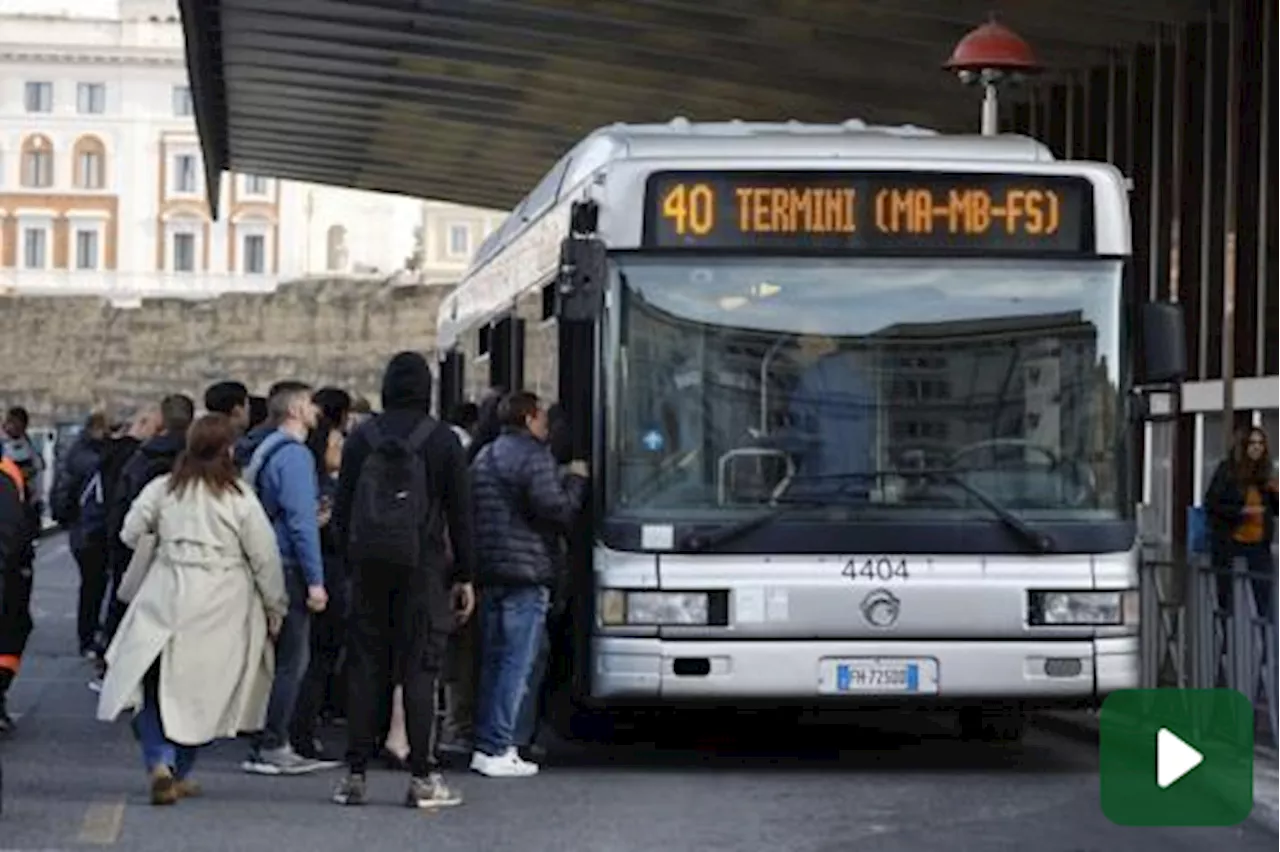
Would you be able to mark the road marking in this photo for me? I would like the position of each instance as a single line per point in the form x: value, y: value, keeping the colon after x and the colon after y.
x: 102, y: 823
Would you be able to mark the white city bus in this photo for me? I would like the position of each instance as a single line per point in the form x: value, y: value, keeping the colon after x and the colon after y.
x: 859, y: 407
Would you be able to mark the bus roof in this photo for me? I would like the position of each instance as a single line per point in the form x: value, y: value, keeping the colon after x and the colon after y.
x: 524, y: 251
x: 747, y: 139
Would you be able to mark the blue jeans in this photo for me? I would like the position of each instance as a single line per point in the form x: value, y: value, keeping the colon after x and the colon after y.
x: 530, y: 706
x: 293, y: 655
x: 512, y: 620
x: 157, y: 749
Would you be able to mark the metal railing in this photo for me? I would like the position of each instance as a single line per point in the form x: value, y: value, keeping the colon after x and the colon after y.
x: 1207, y: 626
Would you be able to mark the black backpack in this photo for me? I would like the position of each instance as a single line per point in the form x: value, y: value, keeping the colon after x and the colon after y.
x: 393, y: 505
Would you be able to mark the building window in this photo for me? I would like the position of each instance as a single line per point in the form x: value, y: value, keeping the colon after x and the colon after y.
x: 86, y: 249
x: 336, y: 249
x: 184, y: 173
x: 255, y: 254
x: 37, y: 168
x: 39, y: 97
x: 89, y: 170
x: 549, y: 301
x: 184, y: 252
x: 255, y: 185
x: 459, y: 240
x: 91, y: 98
x: 35, y: 248
x: 182, y: 106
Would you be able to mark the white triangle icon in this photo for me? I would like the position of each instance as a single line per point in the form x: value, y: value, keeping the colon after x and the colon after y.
x: 1174, y: 758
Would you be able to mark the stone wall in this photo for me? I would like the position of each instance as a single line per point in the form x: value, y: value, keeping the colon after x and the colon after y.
x: 63, y: 356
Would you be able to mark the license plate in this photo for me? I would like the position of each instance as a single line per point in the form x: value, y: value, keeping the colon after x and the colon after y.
x: 879, y: 676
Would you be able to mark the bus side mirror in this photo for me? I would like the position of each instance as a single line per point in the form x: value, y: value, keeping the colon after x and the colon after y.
x: 1164, y: 344
x: 581, y: 281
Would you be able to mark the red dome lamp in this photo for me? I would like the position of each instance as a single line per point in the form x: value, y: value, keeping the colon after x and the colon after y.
x: 992, y: 55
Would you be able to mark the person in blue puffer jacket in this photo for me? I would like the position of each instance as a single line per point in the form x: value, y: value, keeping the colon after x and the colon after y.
x: 521, y: 506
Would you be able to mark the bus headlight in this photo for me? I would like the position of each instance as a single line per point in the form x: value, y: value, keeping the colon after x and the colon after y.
x: 619, y: 608
x: 1083, y: 609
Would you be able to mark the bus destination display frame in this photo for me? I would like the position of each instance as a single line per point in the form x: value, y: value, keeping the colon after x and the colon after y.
x: 856, y: 212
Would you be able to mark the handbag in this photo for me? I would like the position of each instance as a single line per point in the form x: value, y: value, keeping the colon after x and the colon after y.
x: 139, y: 566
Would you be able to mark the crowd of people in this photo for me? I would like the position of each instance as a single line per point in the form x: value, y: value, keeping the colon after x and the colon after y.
x: 281, y: 562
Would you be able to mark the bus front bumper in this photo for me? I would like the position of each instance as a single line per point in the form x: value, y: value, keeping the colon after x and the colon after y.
x: 1047, y: 672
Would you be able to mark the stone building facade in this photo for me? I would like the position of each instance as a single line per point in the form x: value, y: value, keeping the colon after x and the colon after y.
x: 63, y: 356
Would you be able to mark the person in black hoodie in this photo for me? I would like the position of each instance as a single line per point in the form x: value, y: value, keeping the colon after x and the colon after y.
x: 155, y: 457
x: 119, y: 448
x: 77, y: 503
x: 399, y: 614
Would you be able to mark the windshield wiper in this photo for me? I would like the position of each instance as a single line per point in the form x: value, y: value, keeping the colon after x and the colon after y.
x: 1041, y: 541
x: 1038, y: 539
x: 699, y: 542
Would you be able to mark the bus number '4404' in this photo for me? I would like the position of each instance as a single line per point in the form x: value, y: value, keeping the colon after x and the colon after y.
x: 882, y: 569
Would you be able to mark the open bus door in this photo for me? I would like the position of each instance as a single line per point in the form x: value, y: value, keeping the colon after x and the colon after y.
x: 580, y: 288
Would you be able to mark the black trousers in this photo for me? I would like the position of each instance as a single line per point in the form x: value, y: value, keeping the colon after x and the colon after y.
x: 117, y: 565
x: 91, y: 558
x: 398, y: 633
x: 1262, y: 570
x: 328, y: 636
x: 15, y: 621
x: 16, y: 582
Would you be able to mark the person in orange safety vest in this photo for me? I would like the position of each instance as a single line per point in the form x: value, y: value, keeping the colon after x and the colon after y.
x: 16, y: 538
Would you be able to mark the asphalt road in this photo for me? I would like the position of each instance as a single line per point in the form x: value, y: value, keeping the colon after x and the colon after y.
x: 888, y: 785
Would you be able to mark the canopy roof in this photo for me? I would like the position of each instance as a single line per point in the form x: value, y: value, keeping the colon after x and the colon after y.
x: 473, y: 100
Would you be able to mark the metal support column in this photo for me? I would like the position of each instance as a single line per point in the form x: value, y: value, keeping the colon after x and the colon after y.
x: 1229, y: 223
x: 1164, y: 644
x: 1270, y: 633
x: 1266, y: 190
x: 1199, y: 618
x: 1069, y: 130
x: 1208, y: 155
x: 1111, y: 109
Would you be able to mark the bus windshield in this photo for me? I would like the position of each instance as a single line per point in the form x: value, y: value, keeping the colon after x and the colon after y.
x: 900, y: 388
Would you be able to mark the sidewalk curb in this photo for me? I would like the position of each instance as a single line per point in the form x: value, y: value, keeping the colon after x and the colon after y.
x: 1083, y: 725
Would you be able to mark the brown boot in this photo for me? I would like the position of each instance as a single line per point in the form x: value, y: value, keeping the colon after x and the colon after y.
x: 164, y: 790
x: 187, y: 789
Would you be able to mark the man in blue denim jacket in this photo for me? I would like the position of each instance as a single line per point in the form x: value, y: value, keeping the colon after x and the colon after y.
x: 283, y: 472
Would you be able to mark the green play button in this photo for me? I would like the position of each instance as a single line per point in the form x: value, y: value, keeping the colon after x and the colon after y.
x: 1177, y: 757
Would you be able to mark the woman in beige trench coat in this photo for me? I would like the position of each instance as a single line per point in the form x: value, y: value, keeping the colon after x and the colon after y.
x: 192, y: 656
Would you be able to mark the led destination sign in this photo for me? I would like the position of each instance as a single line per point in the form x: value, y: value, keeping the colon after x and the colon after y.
x: 859, y: 211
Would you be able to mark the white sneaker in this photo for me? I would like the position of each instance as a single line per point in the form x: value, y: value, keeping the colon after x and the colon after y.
x: 507, y: 765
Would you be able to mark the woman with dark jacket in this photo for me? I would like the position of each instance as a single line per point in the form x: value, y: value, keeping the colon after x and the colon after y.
x: 462, y: 669
x: 488, y: 424
x: 328, y: 628
x: 1241, y: 504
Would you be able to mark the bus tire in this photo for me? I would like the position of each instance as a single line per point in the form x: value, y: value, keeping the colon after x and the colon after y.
x: 572, y: 722
x: 591, y: 726
x: 992, y: 726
